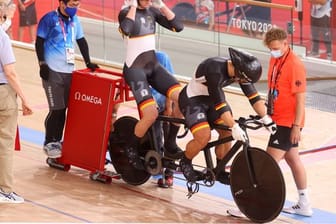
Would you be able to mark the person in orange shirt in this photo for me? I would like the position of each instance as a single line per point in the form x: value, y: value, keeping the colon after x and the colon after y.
x: 286, y: 106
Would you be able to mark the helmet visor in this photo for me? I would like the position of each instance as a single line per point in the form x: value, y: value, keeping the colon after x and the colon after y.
x: 241, y: 76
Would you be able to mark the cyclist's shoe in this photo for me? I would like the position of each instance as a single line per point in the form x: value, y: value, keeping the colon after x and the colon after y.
x: 167, y: 182
x: 173, y: 152
x: 133, y: 158
x: 188, y: 170
x: 299, y: 209
x: 223, y: 177
x: 53, y: 150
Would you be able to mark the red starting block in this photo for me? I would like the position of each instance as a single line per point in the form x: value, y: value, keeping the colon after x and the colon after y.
x: 91, y: 100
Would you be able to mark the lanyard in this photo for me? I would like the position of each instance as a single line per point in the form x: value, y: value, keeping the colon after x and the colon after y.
x: 64, y: 32
x: 276, y: 72
x: 64, y: 29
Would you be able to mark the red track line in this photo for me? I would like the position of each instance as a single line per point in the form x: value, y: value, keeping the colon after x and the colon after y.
x: 318, y: 149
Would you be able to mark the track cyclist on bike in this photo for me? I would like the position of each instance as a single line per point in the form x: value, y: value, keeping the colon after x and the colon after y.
x: 142, y: 69
x: 203, y: 103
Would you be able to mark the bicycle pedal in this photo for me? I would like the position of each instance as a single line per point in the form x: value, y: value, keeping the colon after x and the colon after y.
x: 224, y: 178
x: 200, y: 175
x: 168, y: 182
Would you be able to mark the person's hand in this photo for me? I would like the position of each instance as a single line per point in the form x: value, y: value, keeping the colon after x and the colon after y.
x: 238, y: 133
x: 26, y: 109
x: 269, y: 124
x: 10, y: 11
x: 92, y: 66
x: 44, y: 71
x: 22, y: 8
x: 131, y: 3
x: 295, y: 135
x: 158, y: 4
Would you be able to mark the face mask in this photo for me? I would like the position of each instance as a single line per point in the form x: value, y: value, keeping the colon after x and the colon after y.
x: 71, y: 11
x: 276, y: 53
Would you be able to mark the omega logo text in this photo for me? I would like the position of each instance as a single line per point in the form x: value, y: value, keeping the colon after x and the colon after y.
x: 87, y: 98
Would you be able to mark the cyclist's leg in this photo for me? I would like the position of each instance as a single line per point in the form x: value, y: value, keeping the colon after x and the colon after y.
x: 222, y: 149
x: 136, y: 78
x: 200, y: 139
x: 131, y: 174
x: 166, y: 84
x: 148, y: 116
x: 225, y: 118
x: 170, y: 145
x: 194, y: 110
x: 214, y: 118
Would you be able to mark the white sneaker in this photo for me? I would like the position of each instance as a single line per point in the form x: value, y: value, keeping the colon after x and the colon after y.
x: 53, y: 150
x: 299, y: 209
x: 10, y: 198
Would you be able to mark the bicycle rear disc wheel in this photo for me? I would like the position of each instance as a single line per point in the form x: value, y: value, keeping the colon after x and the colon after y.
x: 264, y: 201
x: 123, y: 128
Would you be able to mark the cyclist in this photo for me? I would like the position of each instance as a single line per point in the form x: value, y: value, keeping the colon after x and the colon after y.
x: 142, y: 69
x: 203, y: 103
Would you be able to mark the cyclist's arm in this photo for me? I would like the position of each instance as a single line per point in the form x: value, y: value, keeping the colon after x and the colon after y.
x: 216, y: 93
x: 260, y: 108
x: 254, y: 98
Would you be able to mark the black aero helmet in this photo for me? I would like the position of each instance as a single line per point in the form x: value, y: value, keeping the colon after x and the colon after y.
x: 246, y: 65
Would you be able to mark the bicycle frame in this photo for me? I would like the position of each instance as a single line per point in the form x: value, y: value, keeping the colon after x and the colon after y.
x: 207, y: 149
x: 248, y: 179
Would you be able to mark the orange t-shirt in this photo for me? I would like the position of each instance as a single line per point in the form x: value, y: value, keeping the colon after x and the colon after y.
x: 290, y: 79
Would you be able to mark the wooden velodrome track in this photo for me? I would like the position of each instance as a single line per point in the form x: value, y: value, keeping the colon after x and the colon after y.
x: 56, y: 196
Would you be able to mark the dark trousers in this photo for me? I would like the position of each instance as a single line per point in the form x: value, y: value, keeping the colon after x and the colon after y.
x: 320, y: 27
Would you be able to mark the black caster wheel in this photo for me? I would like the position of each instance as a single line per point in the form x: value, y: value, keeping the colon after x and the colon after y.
x: 101, y: 178
x: 54, y: 164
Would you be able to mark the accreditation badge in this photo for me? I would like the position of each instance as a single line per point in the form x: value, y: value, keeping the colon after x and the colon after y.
x: 70, y: 55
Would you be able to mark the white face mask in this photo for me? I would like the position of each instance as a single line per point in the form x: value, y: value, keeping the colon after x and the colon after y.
x: 276, y: 53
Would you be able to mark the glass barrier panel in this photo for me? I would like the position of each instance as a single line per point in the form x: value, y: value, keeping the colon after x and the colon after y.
x: 26, y: 16
x: 210, y: 27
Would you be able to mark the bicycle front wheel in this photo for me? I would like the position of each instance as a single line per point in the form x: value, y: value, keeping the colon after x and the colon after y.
x: 263, y: 200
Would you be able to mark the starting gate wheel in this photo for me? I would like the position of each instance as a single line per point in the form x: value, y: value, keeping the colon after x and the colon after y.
x: 101, y: 178
x: 123, y: 128
x: 264, y: 201
x: 54, y: 164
